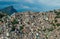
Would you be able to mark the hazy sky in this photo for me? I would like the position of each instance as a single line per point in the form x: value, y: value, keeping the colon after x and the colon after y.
x: 33, y: 5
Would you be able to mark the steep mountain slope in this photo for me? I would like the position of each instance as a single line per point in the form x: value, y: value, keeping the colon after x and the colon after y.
x: 9, y: 10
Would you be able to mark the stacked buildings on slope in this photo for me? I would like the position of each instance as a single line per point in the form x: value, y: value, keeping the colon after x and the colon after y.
x: 29, y: 25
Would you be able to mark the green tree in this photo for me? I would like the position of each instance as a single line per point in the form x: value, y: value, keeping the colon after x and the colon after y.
x: 21, y: 27
x: 13, y: 28
x: 15, y: 21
